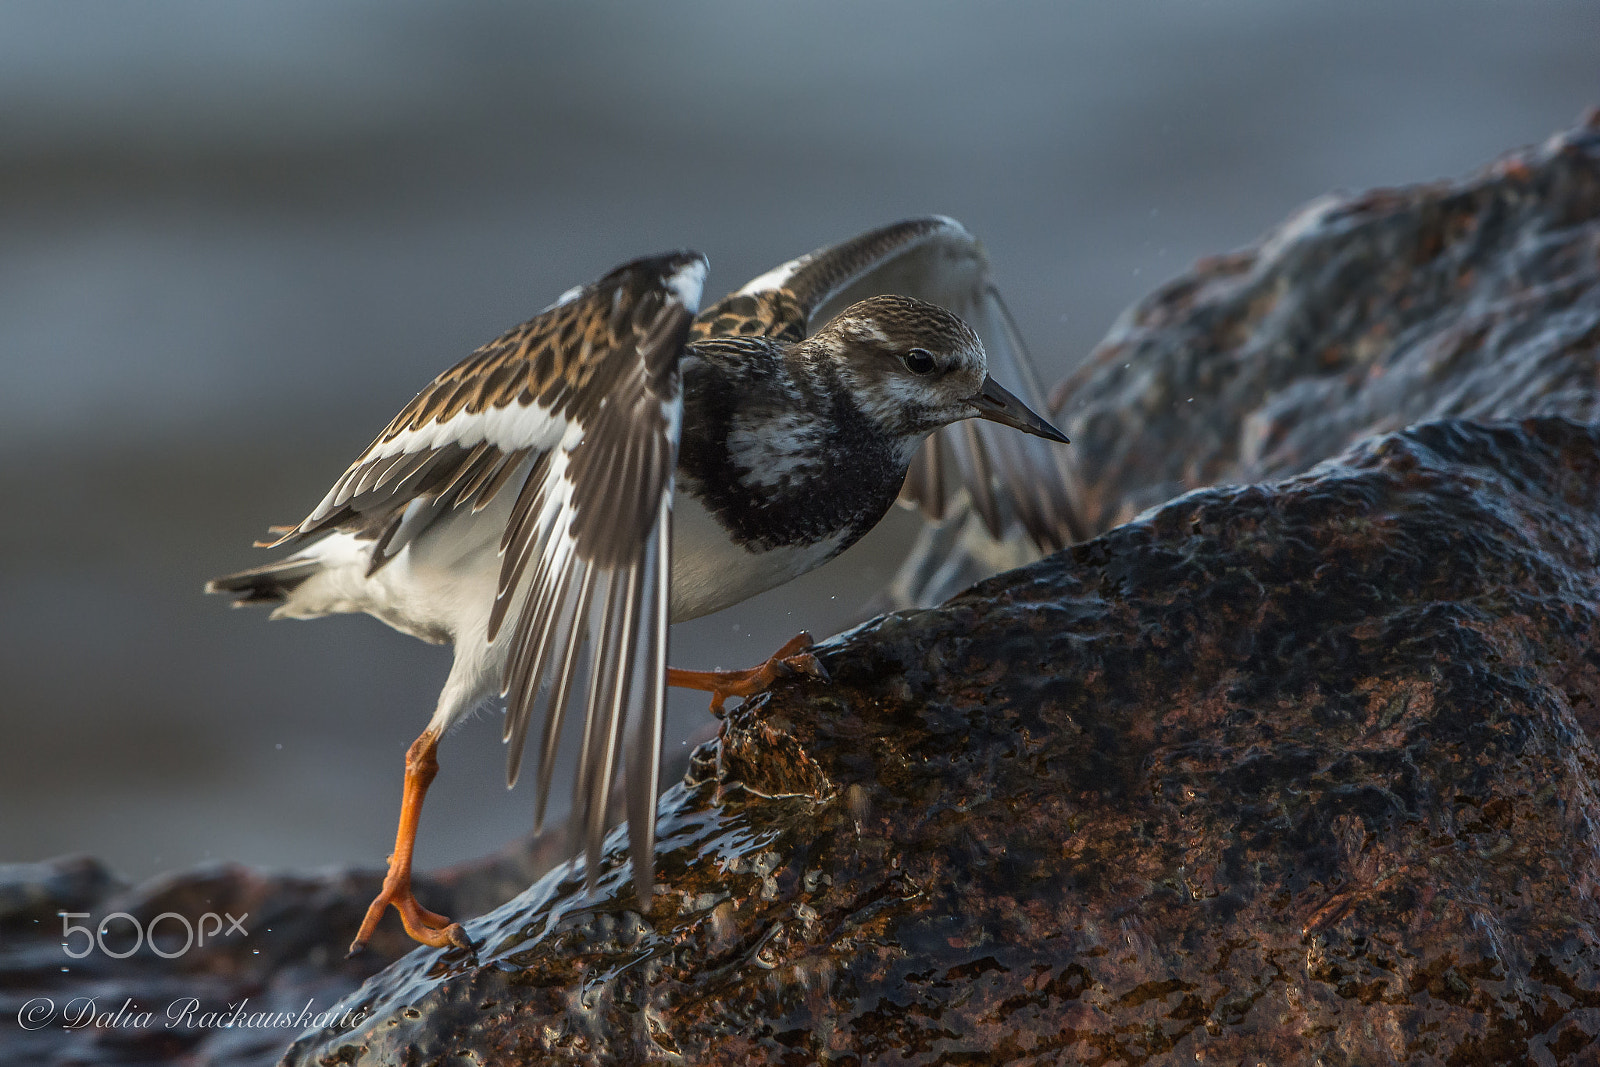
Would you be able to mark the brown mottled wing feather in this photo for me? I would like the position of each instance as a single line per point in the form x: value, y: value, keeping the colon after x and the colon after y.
x: 580, y: 407
x: 473, y: 428
x: 1010, y: 477
x: 586, y: 553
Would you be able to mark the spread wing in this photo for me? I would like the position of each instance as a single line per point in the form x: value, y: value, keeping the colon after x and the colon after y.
x: 1010, y: 477
x: 578, y: 413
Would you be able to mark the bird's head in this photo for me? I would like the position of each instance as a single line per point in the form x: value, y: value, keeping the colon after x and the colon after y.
x: 913, y: 368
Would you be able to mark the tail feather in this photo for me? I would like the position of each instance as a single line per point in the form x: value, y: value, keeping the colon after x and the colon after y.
x: 270, y: 584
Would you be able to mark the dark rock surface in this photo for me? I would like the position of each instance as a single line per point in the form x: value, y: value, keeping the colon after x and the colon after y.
x: 1288, y: 774
x: 273, y: 980
x: 1361, y: 315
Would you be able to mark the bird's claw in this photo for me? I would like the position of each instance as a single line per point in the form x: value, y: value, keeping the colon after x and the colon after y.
x: 794, y: 658
x: 427, y: 927
x: 808, y: 665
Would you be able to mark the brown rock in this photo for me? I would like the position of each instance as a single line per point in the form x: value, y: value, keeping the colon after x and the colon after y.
x: 1361, y: 315
x: 1285, y: 774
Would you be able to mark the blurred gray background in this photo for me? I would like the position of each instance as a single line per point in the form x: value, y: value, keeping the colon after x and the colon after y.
x: 235, y: 238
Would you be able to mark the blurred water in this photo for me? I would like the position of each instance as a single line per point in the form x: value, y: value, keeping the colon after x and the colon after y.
x: 237, y: 237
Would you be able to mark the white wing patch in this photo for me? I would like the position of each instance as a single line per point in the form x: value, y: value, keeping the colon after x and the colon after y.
x: 686, y: 283
x: 510, y: 428
x: 566, y: 298
x: 775, y: 278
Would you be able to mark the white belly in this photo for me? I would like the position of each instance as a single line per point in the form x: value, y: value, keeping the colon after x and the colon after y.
x: 437, y: 588
x: 710, y: 572
x: 441, y: 587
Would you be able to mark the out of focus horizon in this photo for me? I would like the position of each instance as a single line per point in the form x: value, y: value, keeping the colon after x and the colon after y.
x: 238, y: 237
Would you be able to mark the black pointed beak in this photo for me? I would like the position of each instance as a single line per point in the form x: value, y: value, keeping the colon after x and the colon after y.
x: 998, y: 405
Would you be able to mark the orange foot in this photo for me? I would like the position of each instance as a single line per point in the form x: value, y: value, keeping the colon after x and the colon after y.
x: 789, y: 660
x: 428, y: 927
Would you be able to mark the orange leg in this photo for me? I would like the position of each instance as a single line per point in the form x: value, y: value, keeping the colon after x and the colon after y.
x: 428, y: 927
x: 792, y: 658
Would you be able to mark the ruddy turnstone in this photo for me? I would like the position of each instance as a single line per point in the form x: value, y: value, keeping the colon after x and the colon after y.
x: 616, y: 462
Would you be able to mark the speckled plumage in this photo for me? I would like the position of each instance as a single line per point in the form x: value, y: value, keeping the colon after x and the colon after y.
x: 522, y: 504
x: 794, y: 443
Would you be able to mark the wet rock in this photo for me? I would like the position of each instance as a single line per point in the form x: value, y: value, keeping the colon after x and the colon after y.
x: 1360, y: 315
x: 67, y: 999
x: 271, y: 976
x: 1288, y: 774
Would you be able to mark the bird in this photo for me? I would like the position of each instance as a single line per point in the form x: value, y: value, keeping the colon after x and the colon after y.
x: 619, y: 461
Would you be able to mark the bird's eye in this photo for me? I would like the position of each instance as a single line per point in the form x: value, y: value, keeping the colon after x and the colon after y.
x: 919, y: 361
